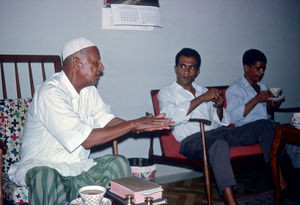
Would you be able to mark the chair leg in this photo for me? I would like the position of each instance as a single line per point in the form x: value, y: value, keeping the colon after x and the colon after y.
x: 206, y: 170
x: 115, y: 147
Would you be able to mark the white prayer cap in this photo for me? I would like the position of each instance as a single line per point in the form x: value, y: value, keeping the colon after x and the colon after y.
x: 75, y: 45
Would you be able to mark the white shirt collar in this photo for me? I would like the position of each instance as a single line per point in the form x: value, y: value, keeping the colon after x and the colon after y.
x: 69, y: 86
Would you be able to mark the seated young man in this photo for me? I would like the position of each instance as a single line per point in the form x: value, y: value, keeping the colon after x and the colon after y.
x: 66, y: 118
x: 248, y: 102
x: 184, y: 99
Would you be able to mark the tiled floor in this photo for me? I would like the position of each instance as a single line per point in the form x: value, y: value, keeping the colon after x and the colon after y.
x: 191, y: 191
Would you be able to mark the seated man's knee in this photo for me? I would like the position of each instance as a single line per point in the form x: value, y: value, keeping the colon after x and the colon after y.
x: 264, y: 123
x: 219, y: 146
x: 114, y: 159
x: 117, y: 163
x: 121, y: 160
x: 218, y: 152
x: 38, y: 173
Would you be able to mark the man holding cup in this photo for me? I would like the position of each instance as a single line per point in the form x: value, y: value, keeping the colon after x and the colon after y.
x: 249, y: 101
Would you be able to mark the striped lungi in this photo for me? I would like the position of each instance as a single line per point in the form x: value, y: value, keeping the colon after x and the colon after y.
x: 48, y: 187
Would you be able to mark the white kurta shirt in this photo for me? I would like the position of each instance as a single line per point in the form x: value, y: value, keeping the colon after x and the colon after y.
x: 58, y: 121
x: 174, y: 100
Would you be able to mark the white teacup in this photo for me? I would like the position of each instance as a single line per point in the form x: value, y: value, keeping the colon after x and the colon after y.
x: 276, y: 91
x: 92, y: 195
x: 296, y: 118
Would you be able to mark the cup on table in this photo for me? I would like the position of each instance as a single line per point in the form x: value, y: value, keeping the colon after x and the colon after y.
x: 91, y: 195
x: 296, y: 118
x: 276, y: 91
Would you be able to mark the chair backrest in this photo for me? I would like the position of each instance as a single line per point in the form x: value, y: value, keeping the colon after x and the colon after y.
x: 169, y: 145
x: 20, y: 64
x: 13, y: 111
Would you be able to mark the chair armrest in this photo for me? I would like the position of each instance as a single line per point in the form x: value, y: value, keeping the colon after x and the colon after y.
x: 291, y: 109
x: 207, y: 122
x: 284, y: 110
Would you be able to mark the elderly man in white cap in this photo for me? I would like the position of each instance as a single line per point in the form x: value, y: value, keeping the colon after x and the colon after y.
x: 66, y: 118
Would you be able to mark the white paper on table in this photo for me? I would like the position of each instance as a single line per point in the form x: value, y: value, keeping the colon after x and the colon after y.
x: 107, y: 22
x: 136, y: 15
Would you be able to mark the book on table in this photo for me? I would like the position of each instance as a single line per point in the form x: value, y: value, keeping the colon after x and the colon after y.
x: 138, y: 187
x: 119, y: 200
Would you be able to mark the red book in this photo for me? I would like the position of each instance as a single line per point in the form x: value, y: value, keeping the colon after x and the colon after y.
x: 138, y: 187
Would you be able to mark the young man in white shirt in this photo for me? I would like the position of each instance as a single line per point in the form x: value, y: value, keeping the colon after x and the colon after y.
x: 183, y: 100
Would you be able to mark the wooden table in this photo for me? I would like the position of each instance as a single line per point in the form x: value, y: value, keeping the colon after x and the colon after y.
x: 283, y: 134
x: 116, y: 200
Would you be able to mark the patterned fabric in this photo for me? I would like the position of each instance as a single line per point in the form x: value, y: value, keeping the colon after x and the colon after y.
x: 143, y: 168
x: 13, y: 193
x: 12, y: 119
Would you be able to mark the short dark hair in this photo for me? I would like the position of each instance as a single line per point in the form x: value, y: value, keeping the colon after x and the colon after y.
x: 251, y: 56
x: 188, y: 52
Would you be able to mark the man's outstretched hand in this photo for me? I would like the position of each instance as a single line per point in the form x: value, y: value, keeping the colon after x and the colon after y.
x: 152, y: 123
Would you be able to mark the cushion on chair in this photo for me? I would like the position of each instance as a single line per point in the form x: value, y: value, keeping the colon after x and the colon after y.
x: 12, y: 119
x: 13, y: 193
x: 171, y: 148
x: 242, y: 151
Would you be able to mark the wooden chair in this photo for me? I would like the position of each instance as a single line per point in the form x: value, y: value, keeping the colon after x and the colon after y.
x: 13, y: 111
x: 170, y: 150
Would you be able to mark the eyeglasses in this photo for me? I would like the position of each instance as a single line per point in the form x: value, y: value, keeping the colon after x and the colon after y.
x: 190, y: 67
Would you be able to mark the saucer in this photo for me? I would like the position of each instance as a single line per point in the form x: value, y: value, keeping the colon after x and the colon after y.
x: 276, y: 98
x: 296, y: 125
x: 78, y: 201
